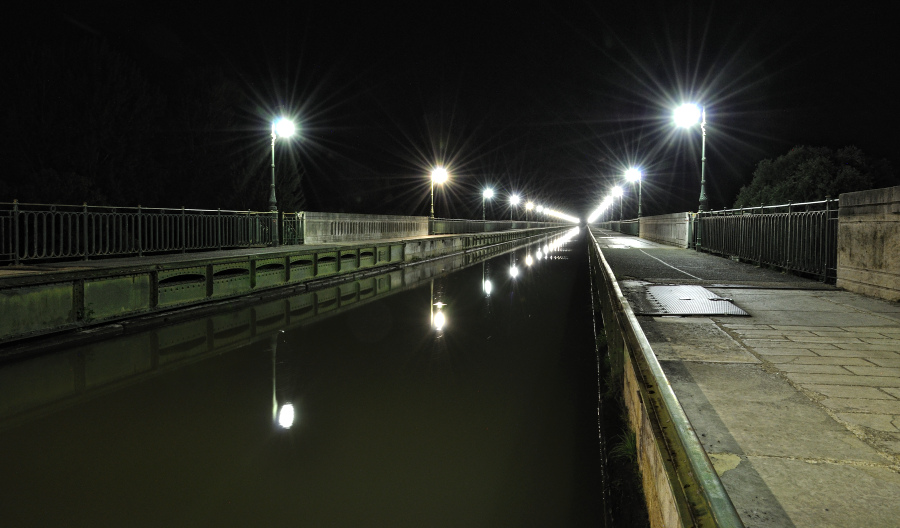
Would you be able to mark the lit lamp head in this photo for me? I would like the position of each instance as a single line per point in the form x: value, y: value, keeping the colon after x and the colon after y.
x: 617, y: 191
x: 488, y: 193
x: 687, y: 114
x: 283, y: 127
x: 633, y: 175
x: 439, y: 175
x: 514, y: 199
x: 529, y: 205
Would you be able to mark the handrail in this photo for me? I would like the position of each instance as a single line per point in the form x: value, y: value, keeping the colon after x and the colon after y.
x: 707, y: 481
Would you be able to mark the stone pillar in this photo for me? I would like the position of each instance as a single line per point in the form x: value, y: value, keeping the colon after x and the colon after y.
x: 868, y: 247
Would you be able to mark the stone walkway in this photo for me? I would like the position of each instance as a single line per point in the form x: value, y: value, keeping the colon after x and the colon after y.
x: 797, y: 405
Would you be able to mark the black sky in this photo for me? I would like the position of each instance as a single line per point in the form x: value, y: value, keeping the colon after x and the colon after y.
x: 550, y: 99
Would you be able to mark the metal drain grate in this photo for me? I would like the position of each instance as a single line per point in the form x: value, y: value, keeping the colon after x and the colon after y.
x: 687, y: 300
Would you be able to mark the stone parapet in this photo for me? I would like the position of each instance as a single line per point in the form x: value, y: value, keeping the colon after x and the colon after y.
x: 868, y: 248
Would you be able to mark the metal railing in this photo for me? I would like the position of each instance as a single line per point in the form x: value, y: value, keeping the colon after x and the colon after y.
x: 31, y: 232
x: 796, y: 237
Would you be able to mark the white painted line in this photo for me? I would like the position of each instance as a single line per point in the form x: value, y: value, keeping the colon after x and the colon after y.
x: 671, y: 266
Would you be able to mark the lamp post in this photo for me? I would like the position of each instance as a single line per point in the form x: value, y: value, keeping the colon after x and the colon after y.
x: 513, y: 202
x: 438, y: 175
x: 280, y: 128
x: 486, y: 195
x: 528, y: 207
x: 617, y: 192
x: 685, y: 116
x: 634, y: 175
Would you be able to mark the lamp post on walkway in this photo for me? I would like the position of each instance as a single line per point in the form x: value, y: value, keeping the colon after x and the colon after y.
x: 280, y: 128
x: 513, y: 202
x: 617, y: 192
x: 634, y: 175
x: 528, y: 207
x: 685, y: 116
x: 486, y: 195
x: 438, y: 175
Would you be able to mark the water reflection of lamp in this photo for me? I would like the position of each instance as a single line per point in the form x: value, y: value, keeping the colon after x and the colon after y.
x: 438, y: 319
x: 286, y: 416
x: 283, y: 414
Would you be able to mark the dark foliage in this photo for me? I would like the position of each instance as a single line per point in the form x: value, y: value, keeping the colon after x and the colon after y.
x: 808, y: 174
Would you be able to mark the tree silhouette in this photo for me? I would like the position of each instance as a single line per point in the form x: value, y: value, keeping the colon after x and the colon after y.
x: 811, y: 173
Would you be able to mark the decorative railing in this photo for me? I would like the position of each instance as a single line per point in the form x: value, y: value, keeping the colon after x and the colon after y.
x: 30, y: 232
x: 796, y: 237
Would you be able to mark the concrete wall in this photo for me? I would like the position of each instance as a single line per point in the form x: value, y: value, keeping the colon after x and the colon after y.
x: 672, y: 229
x: 321, y: 228
x: 868, y: 252
x: 53, y: 300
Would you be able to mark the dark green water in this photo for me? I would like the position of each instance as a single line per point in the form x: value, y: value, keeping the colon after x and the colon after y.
x: 489, y: 421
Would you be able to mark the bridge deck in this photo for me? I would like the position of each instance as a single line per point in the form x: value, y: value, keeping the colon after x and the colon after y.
x: 797, y: 405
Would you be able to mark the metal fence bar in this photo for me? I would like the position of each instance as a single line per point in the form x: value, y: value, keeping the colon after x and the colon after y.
x: 30, y: 232
x: 782, y: 236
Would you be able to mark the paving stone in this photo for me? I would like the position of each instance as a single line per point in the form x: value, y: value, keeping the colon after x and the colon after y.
x: 813, y: 369
x: 892, y: 391
x: 891, y: 406
x: 868, y: 347
x: 852, y: 379
x: 886, y: 362
x: 823, y: 494
x: 784, y: 351
x: 847, y: 391
x: 819, y: 360
x: 834, y: 340
x: 750, y: 334
x: 868, y: 354
x: 782, y: 343
x: 886, y: 342
x: 874, y: 371
x: 844, y: 333
x: 878, y: 422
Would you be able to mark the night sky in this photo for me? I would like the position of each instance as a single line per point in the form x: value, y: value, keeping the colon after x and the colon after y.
x: 553, y: 100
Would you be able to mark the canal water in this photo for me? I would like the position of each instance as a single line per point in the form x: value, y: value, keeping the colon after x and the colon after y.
x: 458, y: 392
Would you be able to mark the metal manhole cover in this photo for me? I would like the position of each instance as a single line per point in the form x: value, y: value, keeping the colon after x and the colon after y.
x: 688, y: 300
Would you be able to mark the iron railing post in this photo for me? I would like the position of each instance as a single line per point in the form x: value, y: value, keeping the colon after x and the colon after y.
x: 219, y: 228
x: 85, y: 214
x: 827, y: 235
x: 183, y: 231
x: 140, y: 234
x: 16, y: 231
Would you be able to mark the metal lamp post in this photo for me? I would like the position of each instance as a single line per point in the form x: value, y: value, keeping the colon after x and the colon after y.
x: 280, y: 128
x: 685, y: 116
x: 513, y: 202
x: 618, y: 192
x: 528, y: 207
x: 438, y: 175
x: 486, y: 195
x: 634, y: 175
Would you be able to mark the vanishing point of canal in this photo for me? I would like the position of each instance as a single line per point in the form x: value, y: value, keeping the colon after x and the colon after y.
x: 489, y: 420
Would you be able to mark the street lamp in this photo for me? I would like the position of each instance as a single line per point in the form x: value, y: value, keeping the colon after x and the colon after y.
x: 513, y: 202
x: 438, y: 175
x: 617, y: 192
x: 528, y: 207
x: 486, y: 195
x: 280, y: 128
x: 634, y: 175
x: 685, y: 116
